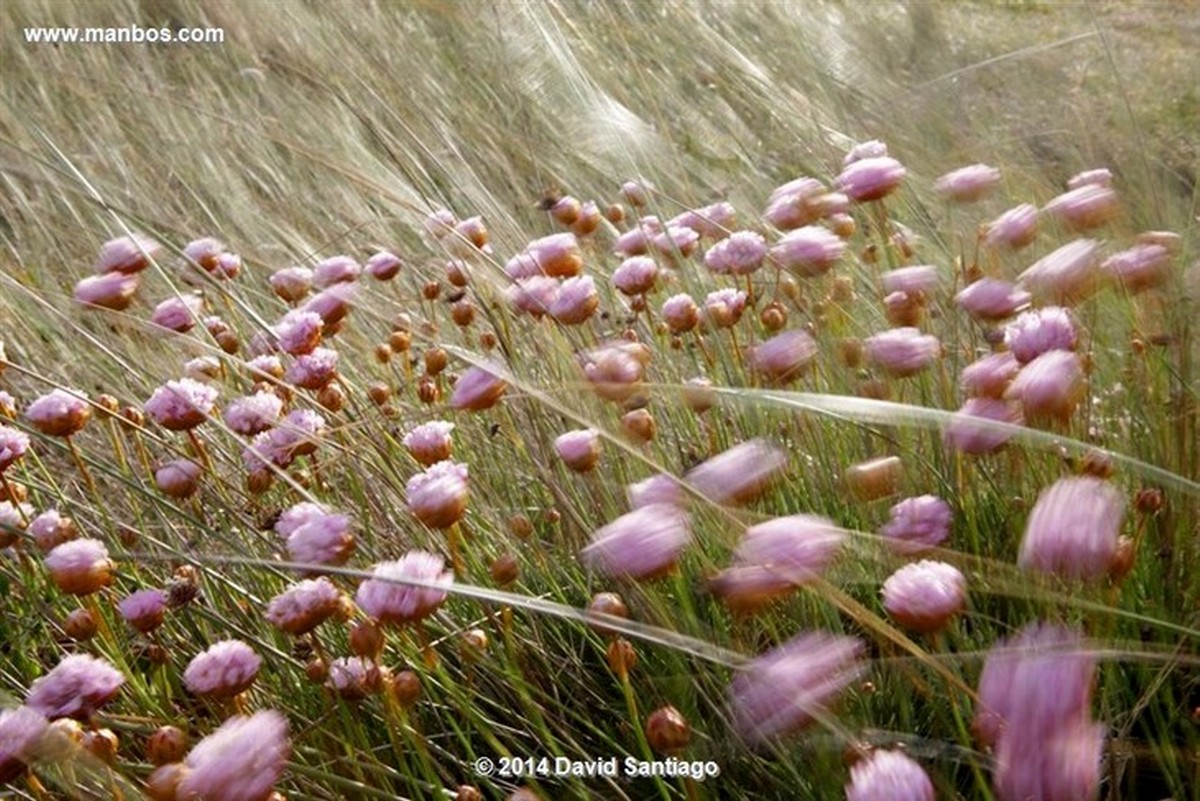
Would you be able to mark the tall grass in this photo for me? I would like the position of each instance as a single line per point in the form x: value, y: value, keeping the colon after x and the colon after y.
x: 319, y: 129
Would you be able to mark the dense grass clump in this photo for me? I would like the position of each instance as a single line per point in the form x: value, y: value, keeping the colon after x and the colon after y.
x: 439, y: 401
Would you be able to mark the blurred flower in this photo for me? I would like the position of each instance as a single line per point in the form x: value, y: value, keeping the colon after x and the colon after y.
x: 21, y: 732
x: 917, y: 280
x: 1061, y: 765
x: 615, y: 369
x: 871, y: 178
x: 576, y: 301
x: 713, y: 221
x: 1073, y: 529
x: 477, y: 389
x: 240, y: 761
x: 635, y: 276
x: 126, y: 254
x: 335, y: 270
x: 661, y: 488
x: 556, y: 255
x: 1067, y: 275
x: 438, y: 496
x: 354, y: 678
x: 144, y: 610
x: 786, y: 688
x: 533, y: 296
x: 636, y: 240
x: 723, y: 308
x: 226, y: 669
x: 775, y: 557
x: 109, y: 291
x: 333, y: 303
x: 989, y: 377
x: 313, y: 370
x: 699, y: 395
x: 1049, y: 387
x: 635, y: 193
x: 742, y: 253
x: 179, y: 313
x: 301, y: 514
x: 793, y: 204
x: 925, y: 596
x: 181, y: 405
x: 14, y: 443
x: 439, y: 223
x: 808, y: 252
x: 59, y: 413
x: 50, y: 529
x: 968, y: 184
x: 1013, y: 229
x: 292, y: 283
x: 253, y: 414
x: 969, y: 432
x: 918, y: 524
x: 680, y: 313
x: 320, y: 539
x: 1101, y: 176
x: 676, y: 238
x: 202, y: 368
x: 579, y: 450
x: 178, y: 478
x: 12, y: 520
x: 1088, y: 206
x: 870, y: 149
x: 642, y: 544
x: 267, y: 365
x: 303, y: 606
x: 299, y: 332
x: 430, y: 443
x: 889, y: 776
x: 740, y: 474
x: 784, y: 357
x: 992, y: 299
x: 386, y: 598
x: 383, y: 266
x: 1141, y: 267
x: 1038, y: 331
x: 202, y: 253
x: 76, y: 687
x: 902, y: 351
x: 80, y: 567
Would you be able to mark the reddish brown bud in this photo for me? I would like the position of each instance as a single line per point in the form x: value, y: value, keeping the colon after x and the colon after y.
x: 366, y: 639
x: 167, y: 744
x: 406, y: 688
x: 80, y: 625
x: 431, y: 290
x: 621, y: 656
x: 436, y: 360
x: 505, y: 569
x: 667, y: 730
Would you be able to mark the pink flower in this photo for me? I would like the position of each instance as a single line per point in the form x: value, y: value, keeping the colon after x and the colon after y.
x: 383, y: 266
x: 438, y: 496
x: 968, y: 184
x: 1088, y: 206
x: 313, y: 370
x: 227, y: 267
x: 292, y: 283
x: 889, y: 776
x: 126, y: 254
x: 556, y: 255
x: 918, y: 280
x: 918, y: 524
x: 202, y: 368
x: 680, y: 313
x: 333, y: 303
x: 775, y: 557
x: 989, y: 377
x: 80, y: 567
x: 742, y: 253
x: 635, y: 193
x: 178, y: 478
x: 1073, y: 529
x: 675, y: 239
x: 739, y: 474
x: 1101, y: 176
x: 925, y: 596
x: 809, y: 251
x: 871, y: 149
x: 267, y: 365
x: 972, y: 429
x: 240, y: 761
x: 1039, y: 331
x: 299, y: 332
x: 303, y: 606
x: 1049, y: 387
x: 786, y: 688
x: 614, y: 370
x: 871, y: 178
x: 226, y: 669
x: 21, y: 732
x: 438, y: 224
x: 533, y: 296
x: 1067, y: 275
x: 50, y: 529
x: 76, y: 687
x: 636, y: 240
x: 59, y: 413
x: 635, y: 276
x: 322, y: 540
x: 660, y: 488
x: 144, y: 610
x: 354, y: 678
x: 712, y: 221
x: 477, y: 389
x: 576, y: 301
x: 14, y: 443
x: 794, y: 204
x: 522, y: 266
x: 430, y: 443
x: 390, y: 597
x: 109, y: 291
x: 335, y: 270
x: 253, y: 414
x: 579, y: 450
x: 903, y: 351
x: 1013, y: 229
x: 1062, y: 765
x: 784, y: 357
x: 1141, y: 267
x: 643, y: 544
x: 202, y: 253
x: 724, y: 307
x: 181, y: 405
x: 303, y: 513
x: 992, y: 299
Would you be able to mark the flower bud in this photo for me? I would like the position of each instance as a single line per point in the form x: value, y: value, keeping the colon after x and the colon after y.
x: 80, y: 625
x: 366, y: 639
x: 166, y: 745
x: 667, y: 730
x: 406, y: 688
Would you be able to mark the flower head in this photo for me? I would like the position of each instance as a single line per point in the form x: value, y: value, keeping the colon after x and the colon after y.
x: 579, y: 450
x: 13, y: 445
x: 918, y: 524
x: 254, y: 413
x: 992, y: 299
x: 889, y: 776
x: 786, y: 688
x: 680, y: 313
x: 50, y: 529
x: 313, y: 370
x: 902, y: 351
x: 388, y: 599
x: 430, y: 443
x: 643, y: 544
x: 303, y: 606
x: 1073, y: 529
x: 75, y: 688
x: 1049, y: 387
x: 871, y: 178
x: 795, y: 204
x: 299, y: 332
x: 989, y: 377
x: 661, y: 488
x: 438, y: 496
x: 1067, y: 275
x: 919, y: 280
x: 80, y: 567
x: 144, y: 610
x: 335, y: 270
x: 226, y: 669
x: 334, y: 303
x: 1039, y: 331
x: 240, y: 761
x: 181, y: 405
x: 113, y: 290
x: 21, y: 730
x: 477, y: 389
x: 59, y: 413
x: 126, y: 254
x: 576, y: 301
x: 968, y: 184
x: 291, y: 283
x: 179, y: 313
x: 1088, y: 206
x: 1143, y: 266
x: 724, y: 307
x: 809, y: 251
x: 784, y: 357
x: 556, y: 255
x: 741, y: 253
x: 321, y: 539
x: 739, y: 474
x: 636, y: 275
x: 924, y: 596
x: 972, y: 428
x: 383, y: 266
